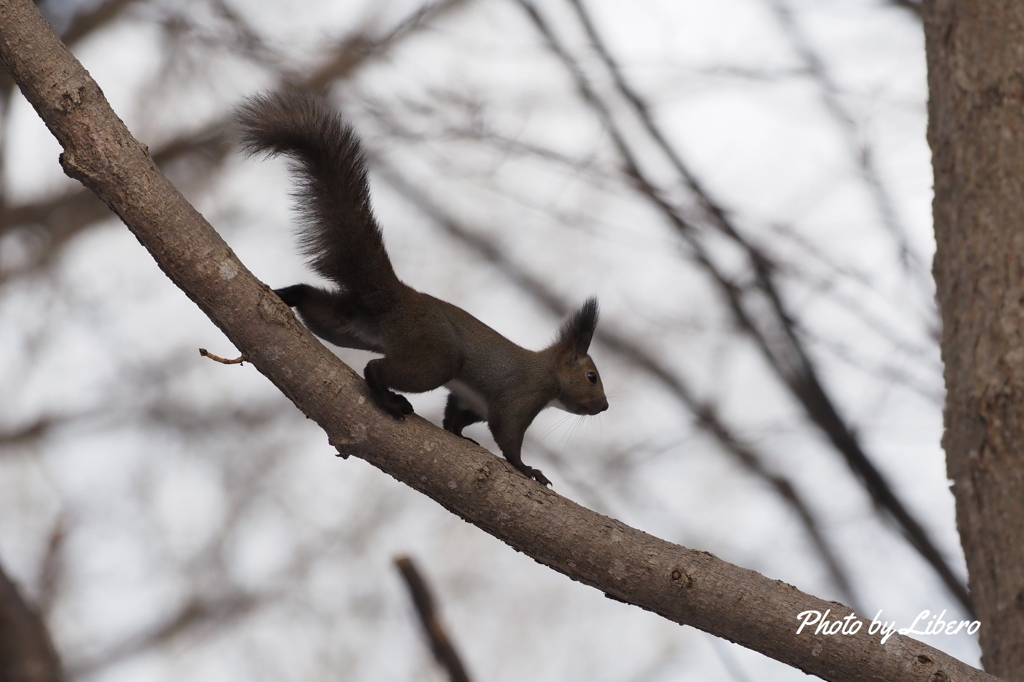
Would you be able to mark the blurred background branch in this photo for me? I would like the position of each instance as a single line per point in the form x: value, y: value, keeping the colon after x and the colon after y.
x: 437, y: 636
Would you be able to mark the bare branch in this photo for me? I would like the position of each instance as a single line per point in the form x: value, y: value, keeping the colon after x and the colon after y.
x: 426, y: 608
x: 51, y: 568
x: 224, y: 361
x: 194, y: 613
x: 28, y: 433
x: 87, y: 22
x: 359, y: 48
x: 859, y: 147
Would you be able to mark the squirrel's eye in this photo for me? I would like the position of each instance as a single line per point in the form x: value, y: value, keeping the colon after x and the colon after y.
x: 592, y: 377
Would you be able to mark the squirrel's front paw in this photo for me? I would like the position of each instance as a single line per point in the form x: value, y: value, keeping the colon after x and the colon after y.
x: 535, y: 474
x: 540, y: 478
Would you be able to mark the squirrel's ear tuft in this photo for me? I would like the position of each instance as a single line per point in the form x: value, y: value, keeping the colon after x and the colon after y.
x: 577, y: 330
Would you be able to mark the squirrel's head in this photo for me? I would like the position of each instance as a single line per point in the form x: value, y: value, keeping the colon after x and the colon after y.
x: 581, y: 389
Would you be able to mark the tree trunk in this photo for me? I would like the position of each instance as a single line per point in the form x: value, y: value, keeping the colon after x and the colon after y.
x: 975, y: 54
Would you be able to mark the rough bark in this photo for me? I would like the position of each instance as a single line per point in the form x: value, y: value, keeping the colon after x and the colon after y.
x: 26, y: 652
x: 683, y: 585
x: 976, y: 132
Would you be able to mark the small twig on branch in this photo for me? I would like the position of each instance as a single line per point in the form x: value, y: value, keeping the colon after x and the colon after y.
x: 224, y: 361
x: 426, y: 608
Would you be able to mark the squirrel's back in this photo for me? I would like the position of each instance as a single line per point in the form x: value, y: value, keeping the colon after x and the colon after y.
x: 340, y: 236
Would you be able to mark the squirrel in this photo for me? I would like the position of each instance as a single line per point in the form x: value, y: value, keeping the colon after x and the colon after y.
x: 426, y: 343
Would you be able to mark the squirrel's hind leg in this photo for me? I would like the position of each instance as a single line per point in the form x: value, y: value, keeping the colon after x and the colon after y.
x: 420, y: 368
x: 458, y: 417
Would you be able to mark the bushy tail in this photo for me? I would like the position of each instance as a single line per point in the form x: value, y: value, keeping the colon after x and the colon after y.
x: 340, y: 236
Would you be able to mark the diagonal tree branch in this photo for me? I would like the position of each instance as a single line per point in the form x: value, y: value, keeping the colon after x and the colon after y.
x: 198, y: 611
x: 683, y: 585
x: 88, y: 21
x: 860, y: 149
x: 441, y: 645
